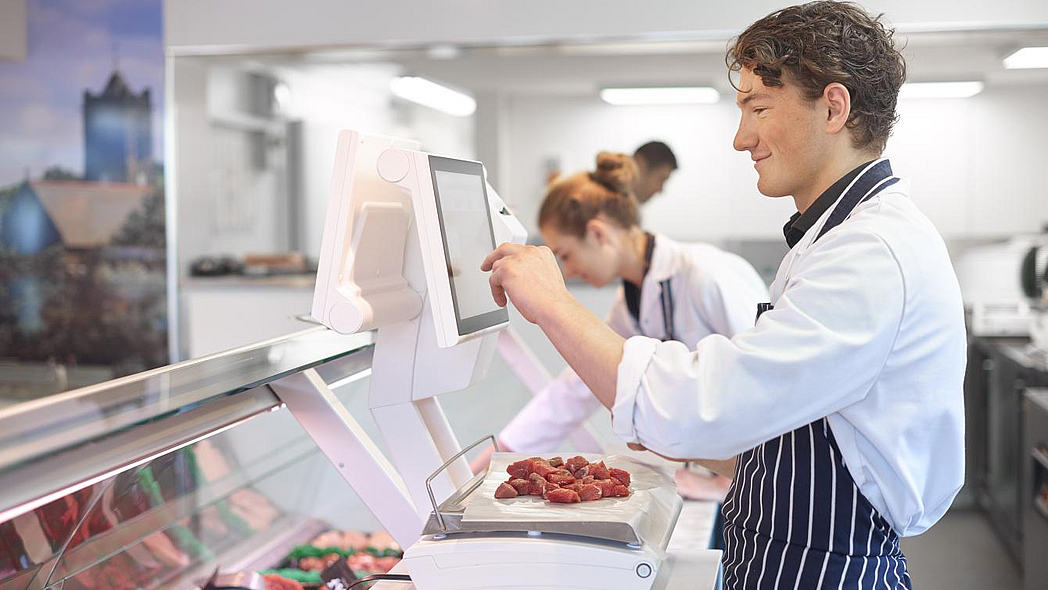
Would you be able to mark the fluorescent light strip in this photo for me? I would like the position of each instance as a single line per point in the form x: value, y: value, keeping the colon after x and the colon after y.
x: 920, y: 90
x: 1027, y: 58
x: 430, y: 94
x: 663, y: 95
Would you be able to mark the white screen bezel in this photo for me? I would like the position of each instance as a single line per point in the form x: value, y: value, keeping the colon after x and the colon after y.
x: 474, y: 324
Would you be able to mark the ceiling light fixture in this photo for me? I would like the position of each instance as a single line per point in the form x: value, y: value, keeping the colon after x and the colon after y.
x: 660, y: 95
x: 435, y: 96
x: 1027, y: 58
x: 940, y: 89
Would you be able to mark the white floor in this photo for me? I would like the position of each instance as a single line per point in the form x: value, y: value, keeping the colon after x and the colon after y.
x: 961, y: 552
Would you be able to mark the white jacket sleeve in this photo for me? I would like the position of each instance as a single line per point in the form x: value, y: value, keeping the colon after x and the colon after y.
x: 820, y: 349
x: 728, y: 303
x: 563, y: 405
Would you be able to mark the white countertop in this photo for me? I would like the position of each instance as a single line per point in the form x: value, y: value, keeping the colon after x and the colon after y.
x: 694, y: 526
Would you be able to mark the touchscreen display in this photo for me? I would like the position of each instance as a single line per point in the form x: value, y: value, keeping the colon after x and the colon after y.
x: 462, y: 205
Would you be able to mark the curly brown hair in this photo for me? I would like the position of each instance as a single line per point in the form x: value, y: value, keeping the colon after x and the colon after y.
x: 607, y: 191
x: 816, y: 44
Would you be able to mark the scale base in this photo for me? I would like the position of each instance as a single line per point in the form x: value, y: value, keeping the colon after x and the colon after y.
x: 550, y: 562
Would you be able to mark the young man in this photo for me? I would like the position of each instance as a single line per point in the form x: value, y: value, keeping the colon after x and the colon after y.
x: 655, y: 163
x: 843, y: 405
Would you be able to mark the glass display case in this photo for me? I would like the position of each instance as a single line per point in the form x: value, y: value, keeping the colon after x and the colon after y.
x: 157, y: 479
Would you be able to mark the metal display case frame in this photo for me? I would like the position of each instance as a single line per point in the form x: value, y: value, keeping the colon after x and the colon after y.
x: 66, y: 443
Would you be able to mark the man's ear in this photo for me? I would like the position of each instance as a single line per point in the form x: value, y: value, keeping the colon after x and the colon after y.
x: 837, y: 101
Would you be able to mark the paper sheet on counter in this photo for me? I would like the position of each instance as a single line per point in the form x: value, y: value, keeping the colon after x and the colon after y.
x: 651, y: 509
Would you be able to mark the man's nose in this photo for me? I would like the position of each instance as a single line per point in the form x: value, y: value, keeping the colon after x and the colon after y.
x: 744, y: 138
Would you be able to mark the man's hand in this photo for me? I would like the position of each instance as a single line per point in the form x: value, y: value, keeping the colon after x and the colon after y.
x: 529, y: 277
x: 526, y: 275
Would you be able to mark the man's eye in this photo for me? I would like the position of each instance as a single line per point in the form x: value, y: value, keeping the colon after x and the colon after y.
x: 759, y: 110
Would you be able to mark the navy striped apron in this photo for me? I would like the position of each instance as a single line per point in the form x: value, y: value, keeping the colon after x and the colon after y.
x: 794, y: 518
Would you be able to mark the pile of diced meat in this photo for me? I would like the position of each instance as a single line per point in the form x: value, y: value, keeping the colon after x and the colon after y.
x: 576, y: 480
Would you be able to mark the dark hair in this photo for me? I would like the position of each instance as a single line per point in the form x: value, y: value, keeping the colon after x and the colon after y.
x: 656, y: 154
x: 572, y: 202
x: 819, y: 43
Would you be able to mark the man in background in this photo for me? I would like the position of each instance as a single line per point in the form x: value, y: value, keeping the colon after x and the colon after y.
x: 655, y: 163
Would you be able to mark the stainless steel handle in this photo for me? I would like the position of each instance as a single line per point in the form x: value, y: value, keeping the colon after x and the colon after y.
x: 429, y: 480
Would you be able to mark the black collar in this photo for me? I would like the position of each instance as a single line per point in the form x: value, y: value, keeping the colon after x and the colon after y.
x: 800, y: 223
x: 633, y: 291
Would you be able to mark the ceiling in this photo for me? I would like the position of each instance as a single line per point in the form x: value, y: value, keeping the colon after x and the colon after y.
x: 581, y: 69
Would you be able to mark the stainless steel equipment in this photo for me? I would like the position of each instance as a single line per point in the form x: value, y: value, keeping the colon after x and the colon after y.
x: 1035, y: 489
x: 1034, y: 280
x: 997, y: 283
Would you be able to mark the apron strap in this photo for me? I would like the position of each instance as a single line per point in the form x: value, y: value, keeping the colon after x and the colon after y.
x: 666, y: 297
x: 876, y: 179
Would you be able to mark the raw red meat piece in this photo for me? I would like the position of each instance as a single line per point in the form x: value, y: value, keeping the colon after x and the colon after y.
x: 590, y: 492
x: 561, y: 479
x: 505, y: 491
x: 549, y: 488
x: 621, y: 475
x: 563, y: 496
x: 599, y: 470
x: 543, y: 468
x: 385, y: 564
x: 576, y: 462
x: 536, y: 485
x: 318, y: 563
x: 520, y: 469
x: 575, y: 487
x: 363, y: 561
x: 380, y: 540
x: 521, y: 485
x: 606, y: 485
x: 275, y: 582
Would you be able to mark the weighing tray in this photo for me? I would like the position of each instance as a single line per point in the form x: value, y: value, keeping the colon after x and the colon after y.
x: 648, y: 515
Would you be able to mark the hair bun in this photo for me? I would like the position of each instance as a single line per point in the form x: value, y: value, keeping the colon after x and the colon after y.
x: 616, y: 171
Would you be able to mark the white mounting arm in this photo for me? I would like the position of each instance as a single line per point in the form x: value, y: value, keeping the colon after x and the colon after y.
x: 372, y: 275
x: 533, y: 374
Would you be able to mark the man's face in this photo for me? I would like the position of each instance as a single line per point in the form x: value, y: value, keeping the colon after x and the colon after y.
x: 784, y: 133
x: 650, y: 179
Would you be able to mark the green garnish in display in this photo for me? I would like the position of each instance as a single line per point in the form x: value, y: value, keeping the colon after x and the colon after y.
x: 185, y: 537
x: 224, y: 511
x: 300, y: 576
x: 300, y: 551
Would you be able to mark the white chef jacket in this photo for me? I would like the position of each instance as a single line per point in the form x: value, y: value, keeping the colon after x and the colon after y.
x: 867, y: 330
x: 712, y: 292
